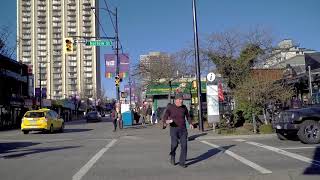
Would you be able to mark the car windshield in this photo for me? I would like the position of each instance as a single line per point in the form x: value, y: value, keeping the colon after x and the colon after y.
x: 92, y: 113
x: 34, y: 114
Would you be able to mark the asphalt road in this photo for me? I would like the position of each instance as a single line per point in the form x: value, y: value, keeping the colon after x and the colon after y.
x: 93, y: 152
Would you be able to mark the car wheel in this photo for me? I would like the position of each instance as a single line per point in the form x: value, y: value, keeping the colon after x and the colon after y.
x: 25, y: 132
x: 51, y: 129
x: 62, y: 128
x: 309, y: 132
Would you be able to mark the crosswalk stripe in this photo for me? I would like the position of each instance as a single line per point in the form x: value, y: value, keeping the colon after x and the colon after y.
x: 286, y: 153
x: 293, y: 148
x: 240, y: 158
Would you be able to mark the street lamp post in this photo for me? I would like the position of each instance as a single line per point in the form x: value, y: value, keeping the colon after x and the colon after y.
x: 197, y: 62
x: 130, y: 89
x: 117, y: 46
x: 117, y: 53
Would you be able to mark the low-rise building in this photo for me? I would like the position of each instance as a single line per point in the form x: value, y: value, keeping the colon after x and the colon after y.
x: 14, y: 88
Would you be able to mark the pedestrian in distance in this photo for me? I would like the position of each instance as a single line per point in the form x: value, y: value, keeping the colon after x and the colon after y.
x: 149, y: 114
x: 116, y: 117
x: 175, y: 116
x: 143, y: 113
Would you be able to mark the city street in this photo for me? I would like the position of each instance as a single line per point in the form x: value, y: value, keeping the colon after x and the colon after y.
x: 93, y: 151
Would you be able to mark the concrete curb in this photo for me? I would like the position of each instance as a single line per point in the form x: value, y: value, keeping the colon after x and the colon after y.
x: 207, y: 137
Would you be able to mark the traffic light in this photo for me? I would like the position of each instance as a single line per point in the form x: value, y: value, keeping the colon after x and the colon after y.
x: 194, y: 84
x: 117, y: 81
x: 68, y: 45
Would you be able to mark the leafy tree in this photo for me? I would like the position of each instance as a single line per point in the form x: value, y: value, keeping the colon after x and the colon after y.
x: 253, y: 94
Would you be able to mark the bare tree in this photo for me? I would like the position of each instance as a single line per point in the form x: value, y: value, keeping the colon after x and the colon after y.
x: 5, y: 48
x: 167, y: 69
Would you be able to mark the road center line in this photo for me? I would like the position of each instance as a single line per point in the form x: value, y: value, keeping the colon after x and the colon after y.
x: 92, y: 161
x: 286, y: 153
x: 240, y: 158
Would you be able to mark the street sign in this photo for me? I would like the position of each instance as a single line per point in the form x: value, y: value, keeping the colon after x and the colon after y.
x: 99, y: 43
x: 83, y: 41
x: 211, y: 77
x: 37, y: 92
x: 44, y: 92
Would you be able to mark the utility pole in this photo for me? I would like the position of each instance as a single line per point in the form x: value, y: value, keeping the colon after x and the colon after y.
x: 117, y: 54
x: 310, y: 83
x: 130, y: 89
x: 197, y: 62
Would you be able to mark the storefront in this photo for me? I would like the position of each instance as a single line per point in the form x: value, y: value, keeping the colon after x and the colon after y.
x: 159, y: 95
x: 14, y: 89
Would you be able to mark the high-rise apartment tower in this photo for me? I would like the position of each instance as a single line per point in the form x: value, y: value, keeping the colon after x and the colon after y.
x: 42, y: 26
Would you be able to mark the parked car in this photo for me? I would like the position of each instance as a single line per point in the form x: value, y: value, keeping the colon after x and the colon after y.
x: 93, y: 116
x: 41, y: 120
x: 304, y: 123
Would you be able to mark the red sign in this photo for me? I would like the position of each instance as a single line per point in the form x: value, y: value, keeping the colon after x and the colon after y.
x: 29, y: 69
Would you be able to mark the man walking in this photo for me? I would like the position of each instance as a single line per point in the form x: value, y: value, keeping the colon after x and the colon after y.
x: 175, y: 116
x: 148, y: 114
x: 116, y: 118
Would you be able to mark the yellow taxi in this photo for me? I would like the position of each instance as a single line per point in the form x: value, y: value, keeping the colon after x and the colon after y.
x: 41, y: 120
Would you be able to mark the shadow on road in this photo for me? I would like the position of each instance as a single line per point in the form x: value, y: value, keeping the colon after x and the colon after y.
x: 193, y: 137
x: 206, y: 155
x: 314, y: 168
x: 67, y: 130
x: 76, y: 130
x: 6, y: 147
x: 25, y: 152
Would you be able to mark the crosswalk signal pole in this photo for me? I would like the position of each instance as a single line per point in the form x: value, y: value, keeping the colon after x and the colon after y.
x: 117, y: 54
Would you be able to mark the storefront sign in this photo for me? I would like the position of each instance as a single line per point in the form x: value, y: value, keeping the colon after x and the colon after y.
x: 212, y: 103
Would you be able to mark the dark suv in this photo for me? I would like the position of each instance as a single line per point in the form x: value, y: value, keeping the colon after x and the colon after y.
x: 93, y: 116
x: 304, y: 122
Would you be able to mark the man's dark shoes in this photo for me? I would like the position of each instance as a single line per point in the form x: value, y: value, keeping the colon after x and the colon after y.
x: 172, y: 160
x: 183, y: 165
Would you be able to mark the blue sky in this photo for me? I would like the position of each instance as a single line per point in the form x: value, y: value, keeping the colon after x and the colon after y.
x: 166, y: 25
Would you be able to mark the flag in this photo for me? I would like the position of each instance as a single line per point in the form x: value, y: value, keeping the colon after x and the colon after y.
x: 124, y: 65
x: 220, y: 92
x: 110, y: 61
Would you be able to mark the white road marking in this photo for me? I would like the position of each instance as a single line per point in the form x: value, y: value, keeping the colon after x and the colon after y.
x: 92, y: 161
x: 240, y: 158
x: 99, y: 139
x: 239, y: 140
x: 286, y: 153
x: 307, y: 147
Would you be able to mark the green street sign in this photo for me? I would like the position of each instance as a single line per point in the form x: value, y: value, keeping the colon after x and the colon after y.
x: 98, y: 43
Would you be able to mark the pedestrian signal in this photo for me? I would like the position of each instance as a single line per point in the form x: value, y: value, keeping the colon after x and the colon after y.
x: 68, y: 45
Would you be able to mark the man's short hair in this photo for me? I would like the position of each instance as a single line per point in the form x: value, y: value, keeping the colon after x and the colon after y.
x: 178, y: 96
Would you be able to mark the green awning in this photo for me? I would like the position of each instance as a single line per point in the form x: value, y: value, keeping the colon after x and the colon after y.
x: 164, y: 89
